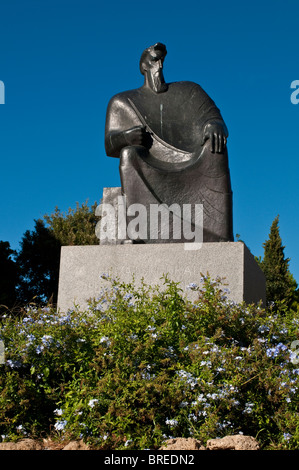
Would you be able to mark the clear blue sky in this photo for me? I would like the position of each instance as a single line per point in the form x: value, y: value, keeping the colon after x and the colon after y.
x: 62, y: 60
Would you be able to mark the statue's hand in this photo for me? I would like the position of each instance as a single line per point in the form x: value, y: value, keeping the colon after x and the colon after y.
x: 136, y: 135
x: 217, y: 132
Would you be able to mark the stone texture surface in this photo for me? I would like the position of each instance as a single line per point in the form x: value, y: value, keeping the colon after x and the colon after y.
x: 76, y: 445
x: 82, y: 266
x: 46, y: 444
x: 183, y: 444
x: 237, y: 442
x: 24, y: 444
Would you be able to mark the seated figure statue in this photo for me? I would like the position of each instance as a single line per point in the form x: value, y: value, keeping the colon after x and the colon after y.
x: 171, y: 141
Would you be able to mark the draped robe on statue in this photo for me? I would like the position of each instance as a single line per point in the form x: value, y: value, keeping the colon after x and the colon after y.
x: 175, y: 166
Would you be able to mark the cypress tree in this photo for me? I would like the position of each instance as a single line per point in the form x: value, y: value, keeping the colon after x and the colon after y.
x: 280, y: 284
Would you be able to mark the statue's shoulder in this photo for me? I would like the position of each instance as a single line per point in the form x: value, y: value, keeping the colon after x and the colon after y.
x: 122, y: 97
x: 185, y: 86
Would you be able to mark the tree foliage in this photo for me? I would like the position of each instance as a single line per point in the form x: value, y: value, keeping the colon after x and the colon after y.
x: 38, y: 262
x: 39, y: 256
x: 76, y: 227
x: 280, y: 283
x: 8, y: 276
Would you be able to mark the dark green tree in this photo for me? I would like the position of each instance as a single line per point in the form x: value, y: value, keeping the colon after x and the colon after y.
x: 8, y: 276
x: 280, y: 283
x: 38, y: 262
x: 39, y: 256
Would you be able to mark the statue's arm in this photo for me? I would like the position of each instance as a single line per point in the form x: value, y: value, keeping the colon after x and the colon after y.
x: 122, y: 128
x: 211, y: 124
x: 215, y: 131
x: 115, y: 141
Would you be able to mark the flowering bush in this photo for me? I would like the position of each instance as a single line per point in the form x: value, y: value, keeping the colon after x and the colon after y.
x: 140, y: 365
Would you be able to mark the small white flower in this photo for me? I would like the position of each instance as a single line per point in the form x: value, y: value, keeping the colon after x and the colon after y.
x: 201, y: 397
x: 30, y: 338
x: 47, y: 338
x: 171, y: 422
x: 92, y: 402
x: 192, y: 286
x: 183, y: 404
x: 39, y: 349
x: 105, y: 339
x: 248, y: 408
x: 151, y: 328
x: 60, y: 425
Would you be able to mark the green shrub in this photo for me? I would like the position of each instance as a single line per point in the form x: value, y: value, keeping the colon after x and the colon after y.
x: 142, y: 364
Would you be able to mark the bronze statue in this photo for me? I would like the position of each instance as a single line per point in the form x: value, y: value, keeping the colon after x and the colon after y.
x: 171, y: 141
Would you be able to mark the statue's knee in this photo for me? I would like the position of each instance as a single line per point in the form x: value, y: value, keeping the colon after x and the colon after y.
x: 126, y: 156
x: 129, y: 155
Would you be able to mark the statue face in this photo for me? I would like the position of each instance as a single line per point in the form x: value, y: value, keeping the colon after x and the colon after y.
x: 152, y: 68
x: 154, y: 73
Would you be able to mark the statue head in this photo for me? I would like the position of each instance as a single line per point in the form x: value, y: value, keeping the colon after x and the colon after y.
x: 151, y: 66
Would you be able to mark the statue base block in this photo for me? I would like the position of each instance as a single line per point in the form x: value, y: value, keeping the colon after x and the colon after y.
x: 81, y: 268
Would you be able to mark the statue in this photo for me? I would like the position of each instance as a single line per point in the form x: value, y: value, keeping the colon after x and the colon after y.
x: 171, y: 141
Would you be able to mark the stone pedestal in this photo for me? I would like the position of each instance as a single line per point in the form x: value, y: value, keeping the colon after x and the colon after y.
x: 81, y: 268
